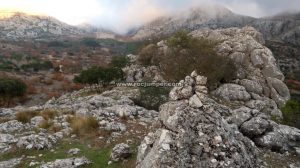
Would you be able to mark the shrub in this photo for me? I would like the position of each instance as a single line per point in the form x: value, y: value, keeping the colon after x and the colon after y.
x: 291, y: 113
x: 186, y: 54
x: 152, y: 97
x: 119, y: 61
x: 148, y: 55
x: 90, y: 42
x: 83, y: 125
x: 98, y: 74
x: 11, y: 88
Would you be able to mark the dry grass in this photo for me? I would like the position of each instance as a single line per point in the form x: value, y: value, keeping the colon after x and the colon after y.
x: 48, y: 114
x: 83, y: 125
x: 26, y: 116
x: 46, y: 124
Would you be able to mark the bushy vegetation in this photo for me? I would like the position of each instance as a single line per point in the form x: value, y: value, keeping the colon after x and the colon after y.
x: 152, y: 97
x: 90, y: 42
x: 291, y: 113
x: 186, y: 54
x: 96, y: 75
x: 11, y: 88
x: 103, y: 75
x: 37, y: 66
x: 119, y: 62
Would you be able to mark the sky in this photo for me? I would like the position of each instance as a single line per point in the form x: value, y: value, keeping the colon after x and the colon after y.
x: 121, y: 15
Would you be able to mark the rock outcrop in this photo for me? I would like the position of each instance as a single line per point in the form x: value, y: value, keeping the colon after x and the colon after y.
x: 224, y: 130
x: 194, y: 134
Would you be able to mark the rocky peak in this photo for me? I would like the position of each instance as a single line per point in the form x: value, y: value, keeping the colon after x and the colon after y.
x: 24, y: 26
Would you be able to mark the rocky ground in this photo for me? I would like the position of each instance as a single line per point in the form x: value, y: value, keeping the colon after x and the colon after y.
x: 232, y: 126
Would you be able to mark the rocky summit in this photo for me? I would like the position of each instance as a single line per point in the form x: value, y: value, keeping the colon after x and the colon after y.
x: 233, y: 125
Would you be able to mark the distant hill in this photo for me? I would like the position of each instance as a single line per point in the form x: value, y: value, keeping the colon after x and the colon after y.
x: 19, y: 26
x: 22, y: 26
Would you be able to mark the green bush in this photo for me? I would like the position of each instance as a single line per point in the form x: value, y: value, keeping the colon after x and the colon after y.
x: 119, y: 61
x: 186, y: 54
x: 90, y: 42
x: 11, y: 88
x: 148, y: 55
x: 38, y: 66
x: 96, y: 75
x: 152, y: 97
x: 291, y: 113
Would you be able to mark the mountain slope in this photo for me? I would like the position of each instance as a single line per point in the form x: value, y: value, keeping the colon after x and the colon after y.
x: 282, y: 32
x: 193, y: 19
x: 23, y: 26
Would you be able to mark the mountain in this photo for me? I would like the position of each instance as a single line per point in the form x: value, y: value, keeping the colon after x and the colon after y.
x: 192, y: 19
x: 17, y: 26
x: 281, y: 32
x: 98, y: 32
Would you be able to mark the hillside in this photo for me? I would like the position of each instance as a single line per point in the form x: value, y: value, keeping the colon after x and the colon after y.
x: 20, y: 26
x: 235, y: 125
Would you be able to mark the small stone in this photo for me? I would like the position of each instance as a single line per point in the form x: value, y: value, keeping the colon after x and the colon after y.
x: 201, y: 80
x: 195, y: 102
x: 194, y: 74
x: 218, y: 139
x: 74, y: 151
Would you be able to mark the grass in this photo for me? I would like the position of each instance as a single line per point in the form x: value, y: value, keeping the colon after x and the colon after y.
x: 99, y: 156
x: 83, y: 125
x: 26, y: 116
x: 291, y: 113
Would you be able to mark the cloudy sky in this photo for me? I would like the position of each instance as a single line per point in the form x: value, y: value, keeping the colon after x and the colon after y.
x: 120, y: 15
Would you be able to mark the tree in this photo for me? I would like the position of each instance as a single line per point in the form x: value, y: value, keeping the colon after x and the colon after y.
x: 95, y: 75
x: 11, y: 88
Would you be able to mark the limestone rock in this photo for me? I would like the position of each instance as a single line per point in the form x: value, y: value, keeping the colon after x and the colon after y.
x: 10, y: 163
x: 67, y: 163
x: 232, y: 92
x: 120, y: 152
